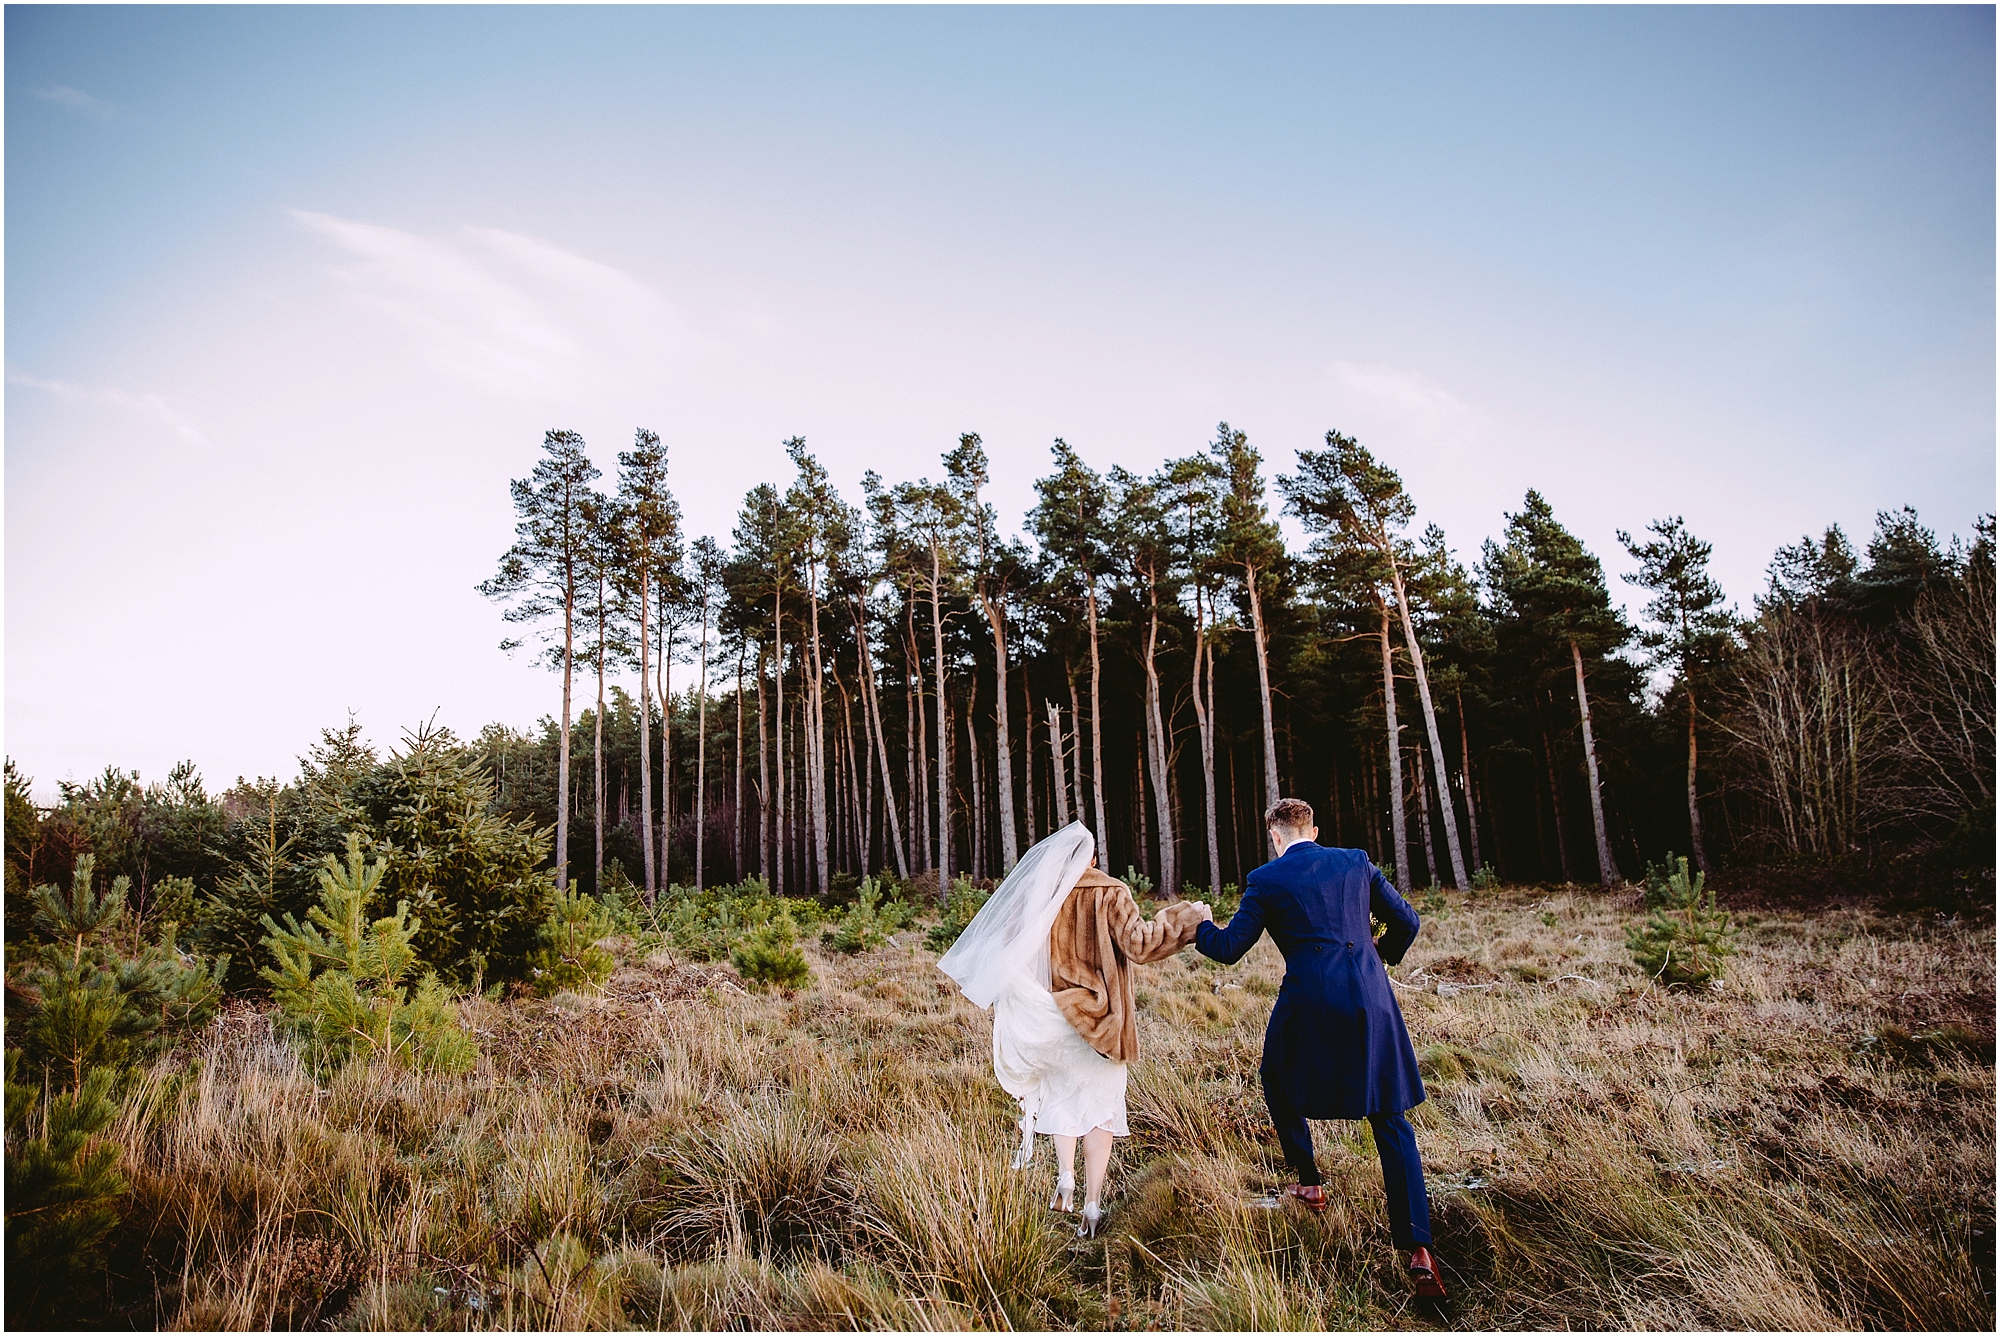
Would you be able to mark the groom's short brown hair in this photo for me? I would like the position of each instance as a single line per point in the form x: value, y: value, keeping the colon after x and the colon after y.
x: 1291, y: 814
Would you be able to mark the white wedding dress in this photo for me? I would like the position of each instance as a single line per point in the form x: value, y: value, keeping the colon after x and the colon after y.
x: 1064, y: 1086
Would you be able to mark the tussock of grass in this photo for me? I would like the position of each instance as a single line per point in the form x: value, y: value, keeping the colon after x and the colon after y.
x: 764, y: 1175
x: 1807, y: 1146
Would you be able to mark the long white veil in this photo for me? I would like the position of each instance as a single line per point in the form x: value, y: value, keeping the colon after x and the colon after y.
x: 1011, y: 931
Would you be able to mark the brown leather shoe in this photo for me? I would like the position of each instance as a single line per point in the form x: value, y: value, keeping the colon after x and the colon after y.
x: 1424, y: 1275
x: 1314, y: 1197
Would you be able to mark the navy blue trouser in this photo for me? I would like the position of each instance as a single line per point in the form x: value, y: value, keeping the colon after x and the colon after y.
x: 1395, y: 1142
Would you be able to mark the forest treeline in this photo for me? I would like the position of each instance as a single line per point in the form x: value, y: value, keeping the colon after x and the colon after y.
x: 901, y: 688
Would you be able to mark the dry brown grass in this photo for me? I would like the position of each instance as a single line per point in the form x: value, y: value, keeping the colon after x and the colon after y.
x: 1809, y: 1146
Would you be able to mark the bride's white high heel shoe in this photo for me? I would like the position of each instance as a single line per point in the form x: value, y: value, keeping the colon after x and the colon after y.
x: 1093, y: 1216
x: 1065, y: 1196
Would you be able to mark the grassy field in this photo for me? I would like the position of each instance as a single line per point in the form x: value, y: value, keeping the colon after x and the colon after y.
x: 1809, y: 1146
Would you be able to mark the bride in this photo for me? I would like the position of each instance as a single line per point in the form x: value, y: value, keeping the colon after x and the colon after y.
x: 1051, y: 952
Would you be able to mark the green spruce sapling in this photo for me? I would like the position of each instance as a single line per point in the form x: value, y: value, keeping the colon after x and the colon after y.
x: 1685, y: 939
x: 80, y: 1003
x: 770, y: 954
x: 339, y: 977
x: 63, y: 1186
x: 869, y: 920
x: 964, y: 901
x: 569, y: 957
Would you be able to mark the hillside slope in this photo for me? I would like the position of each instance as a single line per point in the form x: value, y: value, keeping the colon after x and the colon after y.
x: 1807, y: 1146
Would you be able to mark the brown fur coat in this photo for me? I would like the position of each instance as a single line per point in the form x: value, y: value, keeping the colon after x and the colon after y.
x: 1098, y: 936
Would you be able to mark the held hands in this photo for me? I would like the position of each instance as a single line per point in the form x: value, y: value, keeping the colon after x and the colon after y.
x: 1206, y: 911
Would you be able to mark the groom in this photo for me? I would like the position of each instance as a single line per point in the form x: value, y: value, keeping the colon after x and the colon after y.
x: 1336, y: 1046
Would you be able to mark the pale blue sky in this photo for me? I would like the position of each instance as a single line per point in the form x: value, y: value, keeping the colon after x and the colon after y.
x: 292, y: 292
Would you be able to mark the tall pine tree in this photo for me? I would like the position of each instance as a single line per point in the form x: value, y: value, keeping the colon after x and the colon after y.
x: 541, y: 575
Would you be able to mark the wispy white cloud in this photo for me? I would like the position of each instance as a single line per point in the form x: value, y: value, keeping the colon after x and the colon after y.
x: 1409, y: 404
x: 510, y: 313
x: 78, y: 101
x: 1463, y: 463
x: 155, y: 406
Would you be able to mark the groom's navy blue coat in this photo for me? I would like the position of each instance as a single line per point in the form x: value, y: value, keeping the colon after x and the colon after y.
x: 1336, y: 1040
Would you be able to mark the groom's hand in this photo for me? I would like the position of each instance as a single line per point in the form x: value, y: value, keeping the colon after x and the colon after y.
x: 1207, y: 910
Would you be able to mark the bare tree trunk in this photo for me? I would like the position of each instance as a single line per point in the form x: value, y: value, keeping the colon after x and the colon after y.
x: 1371, y: 811
x: 873, y: 701
x: 764, y: 868
x: 925, y: 796
x: 788, y: 776
x: 943, y: 735
x: 1028, y: 761
x: 1073, y: 753
x: 780, y: 835
x: 1334, y: 806
x: 1541, y: 827
x: 664, y: 667
x: 1424, y: 813
x: 597, y: 747
x: 562, y: 768
x: 1003, y: 751
x: 701, y: 753
x: 1156, y: 752
x: 1694, y: 808
x: 742, y: 647
x: 1556, y: 806
x: 854, y: 812
x: 1465, y: 773
x: 920, y: 774
x: 1472, y: 783
x: 840, y: 794
x: 1103, y: 831
x: 1208, y: 685
x: 1399, y: 832
x: 1205, y: 724
x: 1607, y: 868
x: 651, y: 886
x: 1061, y: 784
x: 1431, y: 731
x: 958, y: 853
x: 1236, y: 826
x: 816, y: 777
x: 1271, y: 794
x: 1139, y: 805
x: 872, y: 854
x: 977, y: 821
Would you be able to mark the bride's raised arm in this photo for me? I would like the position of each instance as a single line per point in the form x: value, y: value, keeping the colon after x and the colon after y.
x: 1166, y: 933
